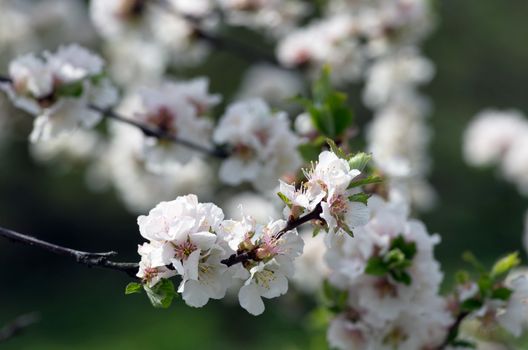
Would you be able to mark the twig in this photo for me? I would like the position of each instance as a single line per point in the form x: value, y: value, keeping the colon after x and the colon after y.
x: 243, y: 50
x: 453, y: 330
x: 87, y: 258
x: 292, y: 223
x: 18, y: 325
x: 216, y: 152
x: 161, y: 134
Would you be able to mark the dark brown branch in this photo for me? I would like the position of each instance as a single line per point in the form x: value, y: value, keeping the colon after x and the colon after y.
x: 453, y: 330
x: 249, y: 53
x: 86, y: 258
x: 216, y: 152
x: 18, y: 325
x: 292, y: 223
x: 161, y: 134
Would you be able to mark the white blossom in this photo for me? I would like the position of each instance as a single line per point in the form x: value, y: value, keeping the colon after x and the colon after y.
x: 329, y: 41
x: 59, y: 89
x: 121, y: 163
x: 514, y: 317
x: 396, y: 75
x: 177, y: 109
x: 182, y: 234
x: 272, y: 84
x: 262, y: 146
x: 381, y: 312
x: 267, y: 277
x: 327, y: 185
x: 491, y: 134
x: 310, y: 267
x: 274, y: 16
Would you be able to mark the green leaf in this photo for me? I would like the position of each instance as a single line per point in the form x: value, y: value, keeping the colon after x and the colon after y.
x: 401, y: 276
x: 470, y: 305
x: 319, y: 318
x: 502, y: 293
x: 360, y: 197
x: 334, y: 298
x: 341, y: 114
x: 309, y: 151
x: 504, y: 265
x: 328, y: 111
x: 485, y: 284
x: 459, y: 343
x: 338, y: 151
x: 372, y: 179
x: 74, y: 89
x: 376, y: 266
x: 462, y: 277
x: 133, y: 287
x: 97, y: 78
x: 408, y: 248
x: 470, y: 258
x: 359, y: 160
x: 285, y: 199
x: 396, y: 260
x: 347, y: 229
x: 162, y: 294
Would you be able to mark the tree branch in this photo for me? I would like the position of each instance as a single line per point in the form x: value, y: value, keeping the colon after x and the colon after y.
x: 18, y: 325
x: 86, y: 258
x: 453, y: 330
x: 216, y: 152
x: 249, y: 53
x: 291, y: 224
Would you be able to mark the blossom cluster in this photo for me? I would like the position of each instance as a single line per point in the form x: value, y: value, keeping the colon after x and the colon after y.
x: 192, y: 239
x: 260, y: 143
x: 499, y: 137
x: 391, y: 281
x: 59, y: 89
x: 329, y: 188
x: 353, y: 32
x: 211, y: 254
x: 68, y: 90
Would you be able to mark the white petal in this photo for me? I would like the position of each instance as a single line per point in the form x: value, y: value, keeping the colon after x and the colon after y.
x: 276, y: 287
x: 250, y: 299
x: 191, y: 265
x: 358, y: 214
x: 195, y: 294
x: 203, y: 240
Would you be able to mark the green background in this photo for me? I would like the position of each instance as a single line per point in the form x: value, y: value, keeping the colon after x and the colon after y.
x: 480, y: 52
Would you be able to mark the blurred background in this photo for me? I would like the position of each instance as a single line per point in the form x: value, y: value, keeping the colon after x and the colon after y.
x: 479, y: 49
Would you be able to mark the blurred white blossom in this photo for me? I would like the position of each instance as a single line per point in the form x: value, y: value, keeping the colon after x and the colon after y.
x: 262, y: 146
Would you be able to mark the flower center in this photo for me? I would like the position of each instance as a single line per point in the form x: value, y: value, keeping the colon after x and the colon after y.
x: 150, y: 273
x: 184, y: 250
x: 264, y: 278
x: 243, y: 151
x: 385, y: 288
x: 130, y: 9
x: 163, y: 120
x: 339, y: 206
x: 395, y: 337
